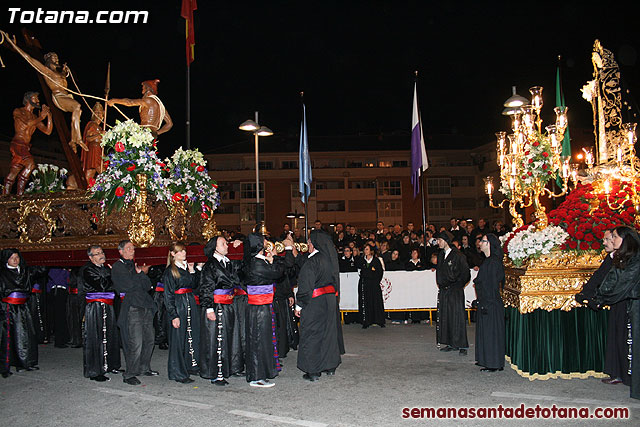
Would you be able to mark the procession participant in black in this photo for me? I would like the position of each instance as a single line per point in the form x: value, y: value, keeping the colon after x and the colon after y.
x: 283, y: 300
x: 101, y: 338
x: 319, y: 350
x: 75, y: 310
x: 219, y: 279
x: 347, y: 262
x: 616, y: 362
x: 160, y: 322
x: 239, y: 341
x: 622, y: 284
x: 20, y: 345
x: 490, y: 331
x: 59, y: 284
x: 370, y: 301
x: 37, y: 306
x: 180, y: 279
x: 261, y: 272
x: 452, y: 274
x: 136, y: 313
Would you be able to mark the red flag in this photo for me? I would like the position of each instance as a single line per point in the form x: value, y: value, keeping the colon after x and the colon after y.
x: 188, y: 6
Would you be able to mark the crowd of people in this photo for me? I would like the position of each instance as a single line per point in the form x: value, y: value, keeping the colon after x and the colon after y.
x: 217, y: 319
x: 240, y: 317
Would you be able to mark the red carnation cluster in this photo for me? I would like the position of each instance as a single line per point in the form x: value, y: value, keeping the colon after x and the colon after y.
x: 584, y: 223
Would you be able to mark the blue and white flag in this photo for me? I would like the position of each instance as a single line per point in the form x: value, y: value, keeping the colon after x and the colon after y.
x: 419, y: 162
x: 304, y: 159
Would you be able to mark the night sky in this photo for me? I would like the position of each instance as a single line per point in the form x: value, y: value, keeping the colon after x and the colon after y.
x: 353, y: 59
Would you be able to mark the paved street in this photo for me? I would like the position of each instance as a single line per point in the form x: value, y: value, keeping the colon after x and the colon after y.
x: 383, y: 371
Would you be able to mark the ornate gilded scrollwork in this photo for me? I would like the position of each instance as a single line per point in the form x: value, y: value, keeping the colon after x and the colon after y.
x: 141, y: 231
x: 176, y: 221
x: 549, y: 282
x: 35, y: 224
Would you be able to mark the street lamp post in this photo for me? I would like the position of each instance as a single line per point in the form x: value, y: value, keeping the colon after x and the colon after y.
x: 258, y: 131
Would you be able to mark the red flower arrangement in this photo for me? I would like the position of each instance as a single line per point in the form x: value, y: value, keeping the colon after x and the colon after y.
x: 586, y: 215
x: 119, y: 192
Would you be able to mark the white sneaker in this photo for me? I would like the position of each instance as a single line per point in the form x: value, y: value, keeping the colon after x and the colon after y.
x: 262, y: 383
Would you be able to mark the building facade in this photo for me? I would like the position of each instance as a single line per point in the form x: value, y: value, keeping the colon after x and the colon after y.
x: 354, y: 187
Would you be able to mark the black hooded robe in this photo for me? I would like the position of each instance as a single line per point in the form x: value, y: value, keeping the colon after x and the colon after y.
x: 101, y: 337
x: 217, y: 287
x: 490, y: 330
x: 260, y: 278
x: 623, y: 284
x: 319, y: 348
x: 452, y: 274
x: 370, y: 301
x: 184, y: 350
x: 20, y: 343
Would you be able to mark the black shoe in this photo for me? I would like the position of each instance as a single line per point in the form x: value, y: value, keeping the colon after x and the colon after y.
x: 185, y: 380
x: 238, y: 374
x: 221, y: 383
x: 463, y: 352
x: 100, y: 378
x: 311, y: 377
x: 477, y: 364
x: 27, y: 369
x: 151, y: 373
x: 163, y: 346
x: 491, y: 369
x: 382, y: 326
x: 330, y: 372
x: 447, y: 348
x: 6, y: 374
x: 114, y: 371
x: 365, y: 326
x: 131, y: 381
x: 76, y: 346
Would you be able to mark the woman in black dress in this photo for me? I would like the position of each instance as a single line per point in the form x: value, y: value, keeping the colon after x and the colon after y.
x: 370, y: 302
x: 182, y: 313
x: 490, y: 330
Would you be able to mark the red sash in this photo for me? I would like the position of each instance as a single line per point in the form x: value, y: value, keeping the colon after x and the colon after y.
x: 106, y: 301
x: 183, y: 291
x: 329, y: 289
x: 223, y: 299
x: 260, y: 299
x: 73, y: 291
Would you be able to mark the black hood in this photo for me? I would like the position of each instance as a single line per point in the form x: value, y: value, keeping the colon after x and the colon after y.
x: 254, y: 244
x: 210, y: 247
x: 6, y: 254
x: 496, y: 247
x: 324, y: 244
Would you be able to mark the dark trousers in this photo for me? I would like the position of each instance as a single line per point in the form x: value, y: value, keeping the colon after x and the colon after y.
x: 139, y: 347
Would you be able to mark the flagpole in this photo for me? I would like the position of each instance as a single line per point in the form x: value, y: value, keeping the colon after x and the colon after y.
x: 188, y: 122
x: 424, y: 219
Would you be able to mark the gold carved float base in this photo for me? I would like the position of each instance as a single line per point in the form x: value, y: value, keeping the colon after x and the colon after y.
x: 549, y: 282
x: 556, y: 375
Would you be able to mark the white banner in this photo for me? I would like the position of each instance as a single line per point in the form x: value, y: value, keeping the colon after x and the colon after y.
x: 401, y: 290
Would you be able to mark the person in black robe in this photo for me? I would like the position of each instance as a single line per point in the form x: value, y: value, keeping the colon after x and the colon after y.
x: 622, y: 283
x: 180, y: 279
x: 75, y: 310
x: 59, y: 284
x: 261, y: 271
x: 347, y: 262
x: 136, y: 313
x: 218, y: 280
x: 370, y: 302
x: 319, y: 349
x: 19, y: 341
x: 394, y: 263
x: 490, y: 331
x: 160, y: 322
x: 101, y: 353
x: 616, y: 362
x: 452, y: 275
x: 38, y: 308
x: 286, y: 330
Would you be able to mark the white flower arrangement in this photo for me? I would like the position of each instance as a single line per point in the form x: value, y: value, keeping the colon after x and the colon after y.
x: 134, y: 153
x: 47, y: 179
x: 531, y: 242
x: 190, y: 182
